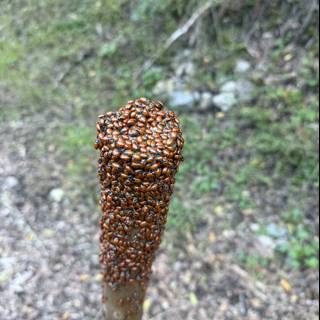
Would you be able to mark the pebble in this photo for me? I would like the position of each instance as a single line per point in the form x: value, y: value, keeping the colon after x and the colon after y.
x: 206, y: 101
x: 234, y: 92
x: 242, y: 66
x: 225, y: 101
x: 242, y: 89
x: 9, y: 183
x: 56, y: 195
x: 186, y: 69
x: 164, y: 87
x: 183, y: 99
x: 276, y: 231
x: 266, y: 246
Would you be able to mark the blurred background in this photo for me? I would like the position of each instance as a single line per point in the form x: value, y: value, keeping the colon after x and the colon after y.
x: 242, y: 240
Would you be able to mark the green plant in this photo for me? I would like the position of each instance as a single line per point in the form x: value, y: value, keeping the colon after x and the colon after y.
x: 152, y: 76
x: 75, y: 144
x: 9, y: 55
x: 108, y: 49
x: 254, y: 263
x: 301, y: 249
x: 76, y: 138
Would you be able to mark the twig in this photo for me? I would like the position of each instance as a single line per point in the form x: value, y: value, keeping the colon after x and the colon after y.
x: 176, y: 35
x: 281, y: 78
x: 83, y: 56
x: 313, y: 8
x: 260, y: 10
x: 256, y: 287
x: 32, y: 231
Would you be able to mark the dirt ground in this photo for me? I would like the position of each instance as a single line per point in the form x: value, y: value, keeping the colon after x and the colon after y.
x: 247, y: 166
x: 49, y: 255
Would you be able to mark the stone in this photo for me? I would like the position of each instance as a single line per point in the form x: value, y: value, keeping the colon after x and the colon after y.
x: 206, y: 101
x: 7, y: 262
x: 234, y: 92
x: 9, y: 183
x: 266, y: 241
x: 183, y: 99
x: 276, y: 231
x: 255, y: 227
x: 6, y: 199
x: 266, y: 246
x: 56, y: 195
x: 245, y: 90
x: 242, y: 66
x: 18, y: 283
x: 164, y: 87
x: 224, y: 101
x: 242, y: 89
x: 5, y: 276
x: 186, y: 69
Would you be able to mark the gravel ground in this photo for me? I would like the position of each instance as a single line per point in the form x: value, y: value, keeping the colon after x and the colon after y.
x: 49, y: 265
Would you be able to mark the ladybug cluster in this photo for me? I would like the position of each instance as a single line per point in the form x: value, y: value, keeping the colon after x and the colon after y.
x: 140, y: 152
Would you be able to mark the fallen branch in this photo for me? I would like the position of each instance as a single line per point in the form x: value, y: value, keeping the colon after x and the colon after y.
x: 176, y: 35
x: 257, y: 288
x: 314, y: 7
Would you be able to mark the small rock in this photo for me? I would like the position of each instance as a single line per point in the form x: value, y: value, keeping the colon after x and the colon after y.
x: 267, y: 35
x: 255, y: 227
x: 225, y: 101
x: 9, y: 183
x: 183, y: 99
x: 233, y: 92
x: 5, y: 276
x: 206, y: 101
x: 6, y: 199
x: 230, y: 86
x: 276, y: 231
x: 56, y: 195
x: 242, y: 89
x: 228, y: 234
x: 186, y: 69
x: 164, y: 87
x: 17, y: 284
x: 48, y: 233
x: 266, y: 241
x: 7, y: 262
x: 266, y: 246
x: 242, y: 66
x: 177, y: 266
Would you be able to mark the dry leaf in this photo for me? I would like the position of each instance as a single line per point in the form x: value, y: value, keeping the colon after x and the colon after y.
x: 212, y: 237
x: 84, y: 277
x: 286, y: 286
x: 147, y: 304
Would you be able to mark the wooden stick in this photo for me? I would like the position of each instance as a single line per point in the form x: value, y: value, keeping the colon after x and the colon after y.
x: 119, y: 304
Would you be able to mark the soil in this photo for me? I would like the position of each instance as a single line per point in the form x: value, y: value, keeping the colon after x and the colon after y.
x: 49, y: 266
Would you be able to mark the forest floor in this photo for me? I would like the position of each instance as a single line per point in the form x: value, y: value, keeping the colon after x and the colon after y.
x: 242, y: 240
